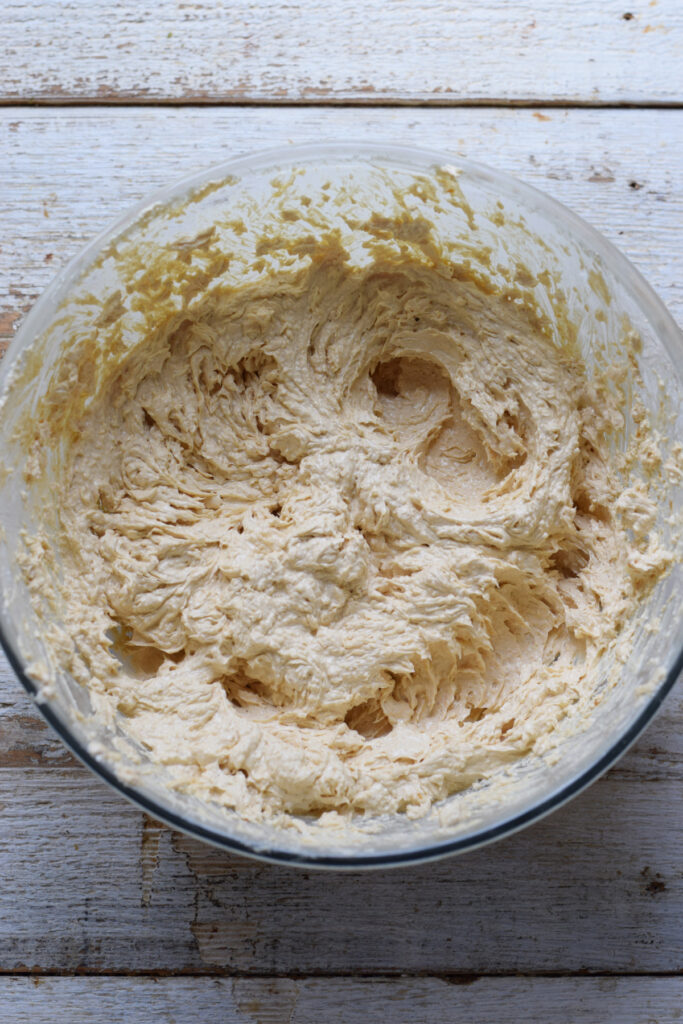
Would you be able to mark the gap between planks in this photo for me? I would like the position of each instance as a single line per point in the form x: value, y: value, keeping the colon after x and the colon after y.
x: 450, y: 978
x: 363, y: 103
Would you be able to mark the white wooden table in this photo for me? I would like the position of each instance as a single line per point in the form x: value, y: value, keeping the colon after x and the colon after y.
x: 107, y: 916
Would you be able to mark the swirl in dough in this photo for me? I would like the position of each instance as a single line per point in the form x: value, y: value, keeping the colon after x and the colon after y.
x: 345, y: 539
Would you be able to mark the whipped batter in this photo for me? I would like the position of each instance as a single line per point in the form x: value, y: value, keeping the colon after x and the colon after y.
x: 347, y: 537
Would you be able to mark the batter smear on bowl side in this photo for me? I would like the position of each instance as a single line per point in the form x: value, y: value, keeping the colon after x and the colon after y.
x: 345, y: 534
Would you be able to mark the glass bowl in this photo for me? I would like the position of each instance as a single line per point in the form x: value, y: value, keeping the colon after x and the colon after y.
x: 603, y: 292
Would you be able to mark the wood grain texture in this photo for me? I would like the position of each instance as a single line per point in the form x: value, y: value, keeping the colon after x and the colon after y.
x: 97, y: 887
x: 374, y: 51
x: 93, y: 887
x: 66, y: 174
x: 344, y: 1001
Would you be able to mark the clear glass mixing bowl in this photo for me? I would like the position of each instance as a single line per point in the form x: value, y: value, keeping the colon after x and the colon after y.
x: 601, y: 288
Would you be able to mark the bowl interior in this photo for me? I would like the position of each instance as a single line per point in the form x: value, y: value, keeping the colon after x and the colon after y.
x: 582, y: 284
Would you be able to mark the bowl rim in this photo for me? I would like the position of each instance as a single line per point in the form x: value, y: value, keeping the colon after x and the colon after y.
x: 418, y: 159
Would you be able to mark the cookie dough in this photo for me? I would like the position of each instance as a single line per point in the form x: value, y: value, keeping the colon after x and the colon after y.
x: 348, y: 537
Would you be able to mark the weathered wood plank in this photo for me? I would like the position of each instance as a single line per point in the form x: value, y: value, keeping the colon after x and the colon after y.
x: 426, y: 51
x: 346, y: 1001
x: 96, y: 887
x: 67, y: 173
